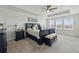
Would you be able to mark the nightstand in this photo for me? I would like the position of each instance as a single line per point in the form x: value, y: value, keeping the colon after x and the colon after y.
x: 19, y: 35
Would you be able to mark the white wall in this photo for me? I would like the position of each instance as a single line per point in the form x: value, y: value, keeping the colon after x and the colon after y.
x: 12, y: 17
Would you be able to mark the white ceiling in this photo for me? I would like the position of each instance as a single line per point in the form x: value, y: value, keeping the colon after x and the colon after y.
x: 61, y: 8
x: 36, y: 9
x: 32, y: 8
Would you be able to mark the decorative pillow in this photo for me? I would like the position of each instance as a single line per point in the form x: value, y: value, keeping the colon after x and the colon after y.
x: 29, y: 29
x: 34, y: 28
x: 39, y: 27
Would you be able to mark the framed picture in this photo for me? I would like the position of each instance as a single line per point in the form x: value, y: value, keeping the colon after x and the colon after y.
x: 30, y: 19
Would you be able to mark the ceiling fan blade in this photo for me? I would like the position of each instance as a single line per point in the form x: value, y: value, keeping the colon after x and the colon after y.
x: 48, y: 8
x: 53, y: 8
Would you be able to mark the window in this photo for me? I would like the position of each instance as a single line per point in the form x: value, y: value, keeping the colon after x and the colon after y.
x: 59, y: 24
x: 68, y: 24
x: 51, y: 23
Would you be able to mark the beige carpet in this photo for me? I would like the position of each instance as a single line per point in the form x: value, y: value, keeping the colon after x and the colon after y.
x: 24, y: 46
x: 63, y: 44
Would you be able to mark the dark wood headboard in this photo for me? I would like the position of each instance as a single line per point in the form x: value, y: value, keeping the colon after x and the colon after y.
x: 29, y: 25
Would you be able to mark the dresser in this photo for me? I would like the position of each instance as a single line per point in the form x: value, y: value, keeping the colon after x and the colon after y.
x: 3, y: 42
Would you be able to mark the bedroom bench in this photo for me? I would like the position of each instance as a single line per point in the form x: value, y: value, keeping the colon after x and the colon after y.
x: 50, y: 39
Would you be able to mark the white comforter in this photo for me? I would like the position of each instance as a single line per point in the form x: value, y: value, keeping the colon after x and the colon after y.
x: 33, y: 32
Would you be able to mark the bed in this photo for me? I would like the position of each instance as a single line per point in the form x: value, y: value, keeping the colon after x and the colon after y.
x: 33, y: 34
x: 38, y: 35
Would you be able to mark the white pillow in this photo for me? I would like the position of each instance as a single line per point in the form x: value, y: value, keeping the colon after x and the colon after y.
x: 34, y: 28
x: 29, y: 29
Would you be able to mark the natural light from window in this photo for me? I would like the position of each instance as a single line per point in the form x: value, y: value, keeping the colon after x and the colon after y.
x: 62, y: 24
x: 68, y: 24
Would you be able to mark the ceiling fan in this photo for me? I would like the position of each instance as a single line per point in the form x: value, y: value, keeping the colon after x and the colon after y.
x: 48, y: 8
